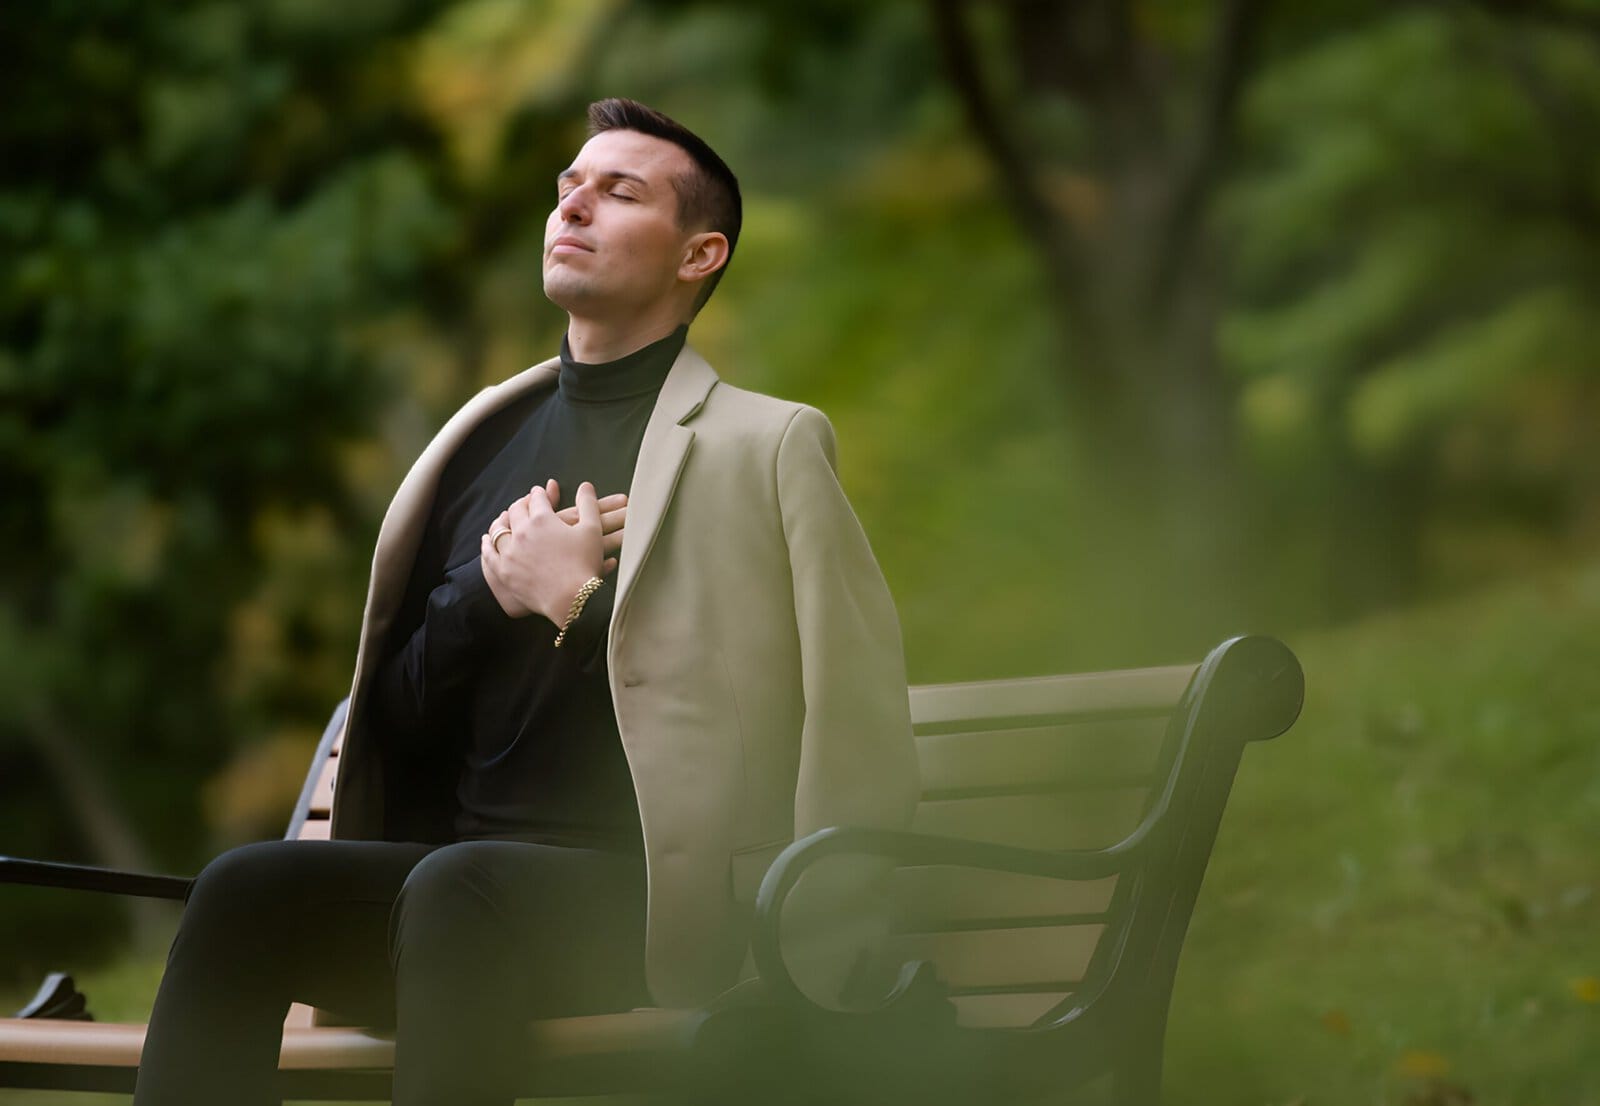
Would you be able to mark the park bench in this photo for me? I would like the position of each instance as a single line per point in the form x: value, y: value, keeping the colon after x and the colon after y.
x: 1041, y: 899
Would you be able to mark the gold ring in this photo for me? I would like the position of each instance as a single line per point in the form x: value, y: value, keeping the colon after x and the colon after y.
x: 494, y: 538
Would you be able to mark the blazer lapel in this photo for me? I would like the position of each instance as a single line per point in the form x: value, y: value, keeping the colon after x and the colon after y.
x: 661, y: 456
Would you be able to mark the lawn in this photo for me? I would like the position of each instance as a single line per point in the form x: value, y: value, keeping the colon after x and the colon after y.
x: 1402, y: 906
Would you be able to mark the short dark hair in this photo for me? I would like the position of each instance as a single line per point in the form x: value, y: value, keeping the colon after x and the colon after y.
x: 708, y: 197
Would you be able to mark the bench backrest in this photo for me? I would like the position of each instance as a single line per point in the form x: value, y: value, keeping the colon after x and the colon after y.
x: 1054, y: 763
x: 310, y: 821
x: 1073, y: 763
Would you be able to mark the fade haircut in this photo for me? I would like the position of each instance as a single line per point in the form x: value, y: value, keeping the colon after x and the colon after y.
x: 708, y: 196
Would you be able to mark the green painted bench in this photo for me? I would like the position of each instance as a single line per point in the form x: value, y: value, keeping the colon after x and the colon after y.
x: 1040, y: 903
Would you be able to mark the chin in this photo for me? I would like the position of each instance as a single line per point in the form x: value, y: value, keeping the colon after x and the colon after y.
x: 566, y: 292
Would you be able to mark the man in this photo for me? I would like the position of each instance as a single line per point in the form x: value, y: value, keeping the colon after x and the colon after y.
x: 576, y: 736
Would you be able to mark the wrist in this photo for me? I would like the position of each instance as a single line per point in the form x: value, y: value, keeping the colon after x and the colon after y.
x: 558, y: 598
x: 502, y: 593
x: 579, y: 600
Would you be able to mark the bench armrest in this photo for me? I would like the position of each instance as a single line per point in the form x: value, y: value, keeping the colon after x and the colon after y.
x: 905, y: 847
x: 1247, y: 689
x: 81, y: 877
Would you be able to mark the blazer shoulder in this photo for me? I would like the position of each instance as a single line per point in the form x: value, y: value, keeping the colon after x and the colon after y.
x: 759, y: 412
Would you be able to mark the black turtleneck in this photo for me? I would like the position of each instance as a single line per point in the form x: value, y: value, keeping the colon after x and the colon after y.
x: 532, y: 727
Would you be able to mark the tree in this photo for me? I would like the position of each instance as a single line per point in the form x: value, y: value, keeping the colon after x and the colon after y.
x: 201, y: 206
x: 1418, y: 223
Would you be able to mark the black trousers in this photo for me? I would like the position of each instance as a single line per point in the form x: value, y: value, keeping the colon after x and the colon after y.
x: 455, y: 947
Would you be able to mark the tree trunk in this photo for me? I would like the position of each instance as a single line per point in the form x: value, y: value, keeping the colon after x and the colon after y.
x: 112, y: 840
x: 1133, y: 281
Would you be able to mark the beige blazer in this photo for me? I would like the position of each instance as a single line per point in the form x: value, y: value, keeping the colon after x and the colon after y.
x: 754, y: 653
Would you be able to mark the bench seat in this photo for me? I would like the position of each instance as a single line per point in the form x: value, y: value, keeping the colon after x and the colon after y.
x: 636, y: 1049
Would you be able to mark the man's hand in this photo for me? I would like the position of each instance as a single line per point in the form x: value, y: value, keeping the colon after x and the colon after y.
x: 613, y: 518
x: 548, y: 555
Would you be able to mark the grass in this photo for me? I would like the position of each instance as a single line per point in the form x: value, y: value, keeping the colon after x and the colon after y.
x: 1403, y: 904
x: 1404, y: 900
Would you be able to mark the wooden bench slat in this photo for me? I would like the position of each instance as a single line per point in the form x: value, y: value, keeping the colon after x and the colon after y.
x: 1100, y: 693
x: 322, y: 796
x: 109, y: 1044
x: 1004, y: 957
x: 116, y: 1044
x: 1073, y: 753
x: 1005, y: 1011
x: 315, y: 829
x: 1092, y: 820
x: 932, y: 895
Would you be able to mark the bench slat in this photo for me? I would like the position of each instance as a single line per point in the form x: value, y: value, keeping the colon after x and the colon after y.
x: 935, y: 895
x: 1004, y: 957
x: 1083, y: 696
x: 315, y: 829
x: 116, y: 1044
x: 1005, y: 1011
x: 1092, y: 820
x: 322, y: 797
x: 1074, y: 754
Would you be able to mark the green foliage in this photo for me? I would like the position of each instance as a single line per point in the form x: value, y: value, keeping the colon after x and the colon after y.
x: 188, y: 271
x: 1415, y: 244
x: 1476, y: 367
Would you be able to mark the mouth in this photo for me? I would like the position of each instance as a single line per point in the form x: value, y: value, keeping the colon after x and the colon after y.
x: 566, y: 244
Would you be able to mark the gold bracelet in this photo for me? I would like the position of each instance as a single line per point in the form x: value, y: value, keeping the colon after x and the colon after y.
x: 590, y: 586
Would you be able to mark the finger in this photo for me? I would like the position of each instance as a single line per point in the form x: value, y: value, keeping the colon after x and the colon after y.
x: 588, y: 506
x: 517, y: 515
x: 608, y: 566
x: 611, y: 542
x: 613, y: 511
x: 497, y: 536
x: 501, y: 520
x: 538, y: 504
x: 553, y: 490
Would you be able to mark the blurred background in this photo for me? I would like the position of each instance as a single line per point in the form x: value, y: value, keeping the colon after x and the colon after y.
x: 1141, y: 324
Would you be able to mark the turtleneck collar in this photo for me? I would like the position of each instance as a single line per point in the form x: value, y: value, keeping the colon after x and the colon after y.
x: 639, y: 372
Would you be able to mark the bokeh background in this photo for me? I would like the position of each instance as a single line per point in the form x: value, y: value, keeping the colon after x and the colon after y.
x: 1142, y: 323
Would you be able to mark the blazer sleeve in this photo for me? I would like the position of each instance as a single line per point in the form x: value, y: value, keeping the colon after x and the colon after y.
x: 857, y: 762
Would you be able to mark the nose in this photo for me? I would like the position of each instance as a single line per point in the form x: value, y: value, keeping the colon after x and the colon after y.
x: 574, y: 206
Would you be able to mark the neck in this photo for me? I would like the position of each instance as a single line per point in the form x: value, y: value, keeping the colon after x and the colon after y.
x: 596, y: 341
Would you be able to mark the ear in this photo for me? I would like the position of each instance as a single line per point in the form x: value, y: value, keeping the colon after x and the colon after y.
x: 703, y: 254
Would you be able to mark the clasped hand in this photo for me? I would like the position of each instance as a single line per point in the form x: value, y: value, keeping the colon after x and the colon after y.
x: 550, y: 554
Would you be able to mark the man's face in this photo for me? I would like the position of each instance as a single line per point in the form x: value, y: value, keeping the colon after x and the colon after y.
x: 613, y: 245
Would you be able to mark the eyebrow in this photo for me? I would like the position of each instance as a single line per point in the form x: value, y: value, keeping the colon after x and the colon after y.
x: 609, y: 174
